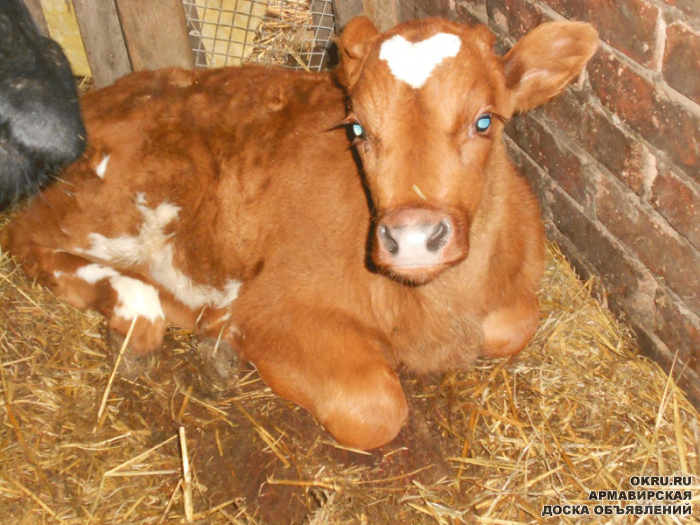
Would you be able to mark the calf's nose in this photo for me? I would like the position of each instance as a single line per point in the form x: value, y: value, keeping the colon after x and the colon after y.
x: 414, y: 238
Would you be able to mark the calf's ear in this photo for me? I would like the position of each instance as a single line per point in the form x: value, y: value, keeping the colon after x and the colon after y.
x: 353, y: 45
x: 545, y: 60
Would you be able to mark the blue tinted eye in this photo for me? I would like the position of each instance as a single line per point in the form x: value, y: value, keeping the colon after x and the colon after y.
x: 358, y: 131
x: 483, y: 123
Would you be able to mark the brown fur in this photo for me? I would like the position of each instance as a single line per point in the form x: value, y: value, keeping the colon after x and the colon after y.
x: 270, y: 194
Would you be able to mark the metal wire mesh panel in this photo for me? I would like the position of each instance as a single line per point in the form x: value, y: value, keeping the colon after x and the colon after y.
x: 293, y: 33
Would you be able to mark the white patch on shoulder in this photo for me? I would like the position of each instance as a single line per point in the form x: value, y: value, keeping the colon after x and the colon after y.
x: 184, y: 289
x: 154, y: 248
x: 101, y: 168
x: 414, y: 62
x: 91, y: 273
x: 134, y: 298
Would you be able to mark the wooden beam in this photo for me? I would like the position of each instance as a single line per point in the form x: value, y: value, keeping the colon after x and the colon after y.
x: 382, y: 13
x: 344, y: 11
x: 103, y: 39
x: 156, y: 33
x: 34, y: 8
x: 433, y: 8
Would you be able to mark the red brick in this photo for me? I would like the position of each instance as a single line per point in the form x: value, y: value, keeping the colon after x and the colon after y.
x: 627, y: 25
x: 471, y: 11
x: 538, y: 179
x: 665, y: 123
x: 567, y: 8
x: 473, y: 4
x: 435, y: 7
x: 646, y: 252
x: 630, y: 288
x: 562, y: 165
x: 678, y: 327
x: 653, y: 241
x: 651, y: 345
x: 679, y: 203
x: 681, y: 65
x: 625, y: 281
x: 647, y: 316
x: 690, y: 7
x: 522, y: 17
x: 413, y: 9
x: 589, y: 126
x: 496, y: 11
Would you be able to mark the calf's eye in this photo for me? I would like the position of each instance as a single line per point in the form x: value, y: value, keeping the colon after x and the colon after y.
x: 358, y: 131
x: 483, y: 123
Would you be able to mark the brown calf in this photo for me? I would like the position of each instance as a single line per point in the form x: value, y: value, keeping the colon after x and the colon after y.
x: 231, y: 202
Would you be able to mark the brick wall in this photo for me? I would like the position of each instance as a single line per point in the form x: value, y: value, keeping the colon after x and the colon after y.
x: 616, y: 159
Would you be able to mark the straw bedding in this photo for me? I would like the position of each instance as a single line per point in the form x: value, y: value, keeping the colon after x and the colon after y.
x: 285, y: 35
x: 577, y: 411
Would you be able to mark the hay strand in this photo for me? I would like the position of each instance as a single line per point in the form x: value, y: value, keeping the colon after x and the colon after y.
x: 186, y: 478
x: 110, y: 381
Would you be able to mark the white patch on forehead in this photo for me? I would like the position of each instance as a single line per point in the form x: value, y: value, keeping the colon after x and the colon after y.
x: 101, y: 168
x: 154, y: 248
x: 414, y: 62
x: 134, y: 298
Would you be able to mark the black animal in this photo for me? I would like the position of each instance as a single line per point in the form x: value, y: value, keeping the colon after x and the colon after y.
x: 40, y: 124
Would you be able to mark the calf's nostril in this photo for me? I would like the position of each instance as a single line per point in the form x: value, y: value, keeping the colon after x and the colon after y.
x: 438, y: 237
x: 387, y: 240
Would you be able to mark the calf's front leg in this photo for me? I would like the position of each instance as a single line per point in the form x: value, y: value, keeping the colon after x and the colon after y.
x: 507, y: 330
x: 331, y: 365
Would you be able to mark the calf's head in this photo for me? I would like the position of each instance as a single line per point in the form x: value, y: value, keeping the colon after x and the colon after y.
x: 427, y: 104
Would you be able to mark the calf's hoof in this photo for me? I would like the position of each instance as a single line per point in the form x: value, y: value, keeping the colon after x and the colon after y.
x: 218, y: 365
x: 132, y: 362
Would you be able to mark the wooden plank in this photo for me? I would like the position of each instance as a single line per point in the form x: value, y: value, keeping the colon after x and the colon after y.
x: 34, y: 8
x: 64, y: 29
x: 155, y: 33
x: 344, y: 11
x: 432, y: 8
x: 103, y: 39
x: 382, y: 13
